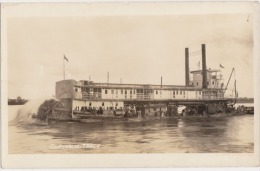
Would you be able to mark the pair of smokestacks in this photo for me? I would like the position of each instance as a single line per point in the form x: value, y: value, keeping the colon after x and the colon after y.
x: 204, y: 67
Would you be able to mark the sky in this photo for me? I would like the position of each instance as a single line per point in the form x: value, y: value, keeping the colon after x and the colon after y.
x: 136, y: 48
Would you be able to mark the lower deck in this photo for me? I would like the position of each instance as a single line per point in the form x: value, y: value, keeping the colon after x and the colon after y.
x: 144, y: 108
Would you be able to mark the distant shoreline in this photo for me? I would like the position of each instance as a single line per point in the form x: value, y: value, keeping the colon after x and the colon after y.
x: 245, y: 100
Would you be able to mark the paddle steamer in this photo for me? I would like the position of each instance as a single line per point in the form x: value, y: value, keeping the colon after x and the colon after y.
x: 203, y: 93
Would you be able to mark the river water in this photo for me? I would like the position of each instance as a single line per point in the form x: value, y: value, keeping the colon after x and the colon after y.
x: 201, y: 135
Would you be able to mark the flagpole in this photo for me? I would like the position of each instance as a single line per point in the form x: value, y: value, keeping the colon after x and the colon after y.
x: 63, y: 69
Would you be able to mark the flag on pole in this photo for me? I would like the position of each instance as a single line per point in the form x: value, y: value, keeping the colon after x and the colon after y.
x: 66, y: 58
x: 221, y: 66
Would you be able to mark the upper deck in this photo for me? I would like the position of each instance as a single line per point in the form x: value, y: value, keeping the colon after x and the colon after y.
x: 86, y: 90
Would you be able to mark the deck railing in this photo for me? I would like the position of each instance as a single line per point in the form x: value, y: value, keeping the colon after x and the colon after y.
x: 94, y: 95
x: 141, y: 96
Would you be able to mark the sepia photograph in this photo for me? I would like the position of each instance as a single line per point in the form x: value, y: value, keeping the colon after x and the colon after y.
x: 129, y: 79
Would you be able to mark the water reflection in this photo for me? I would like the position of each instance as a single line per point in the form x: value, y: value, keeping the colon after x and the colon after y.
x: 233, y: 134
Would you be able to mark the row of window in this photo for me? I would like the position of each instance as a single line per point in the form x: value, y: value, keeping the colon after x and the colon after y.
x: 122, y: 92
x: 213, y: 83
x: 133, y: 92
x: 103, y: 104
x: 177, y: 92
x: 89, y: 109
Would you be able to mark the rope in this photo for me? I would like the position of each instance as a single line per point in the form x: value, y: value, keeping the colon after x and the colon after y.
x: 234, y: 73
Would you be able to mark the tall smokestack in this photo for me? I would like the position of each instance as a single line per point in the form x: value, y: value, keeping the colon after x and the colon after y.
x: 204, y: 67
x: 187, y: 70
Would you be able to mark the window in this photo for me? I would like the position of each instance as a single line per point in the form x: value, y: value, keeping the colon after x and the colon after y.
x: 90, y: 104
x: 207, y: 83
x: 197, y: 83
x: 139, y: 91
x: 180, y: 92
x: 126, y: 92
x: 112, y: 91
x: 156, y: 92
x: 122, y: 92
x: 116, y: 91
x: 183, y: 92
x: 212, y: 82
x: 105, y: 91
x: 130, y: 92
x: 116, y: 104
x: 103, y: 104
x: 173, y: 92
x: 134, y: 91
x: 200, y: 92
x: 176, y: 92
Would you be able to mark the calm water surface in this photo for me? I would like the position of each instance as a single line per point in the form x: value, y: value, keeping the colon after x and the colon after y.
x: 231, y: 134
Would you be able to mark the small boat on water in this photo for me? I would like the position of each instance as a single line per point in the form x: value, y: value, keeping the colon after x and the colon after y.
x: 245, y: 108
x: 17, y: 101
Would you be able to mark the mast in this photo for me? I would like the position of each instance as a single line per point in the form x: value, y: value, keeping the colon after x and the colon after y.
x: 63, y: 69
x: 229, y: 79
x: 235, y: 91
